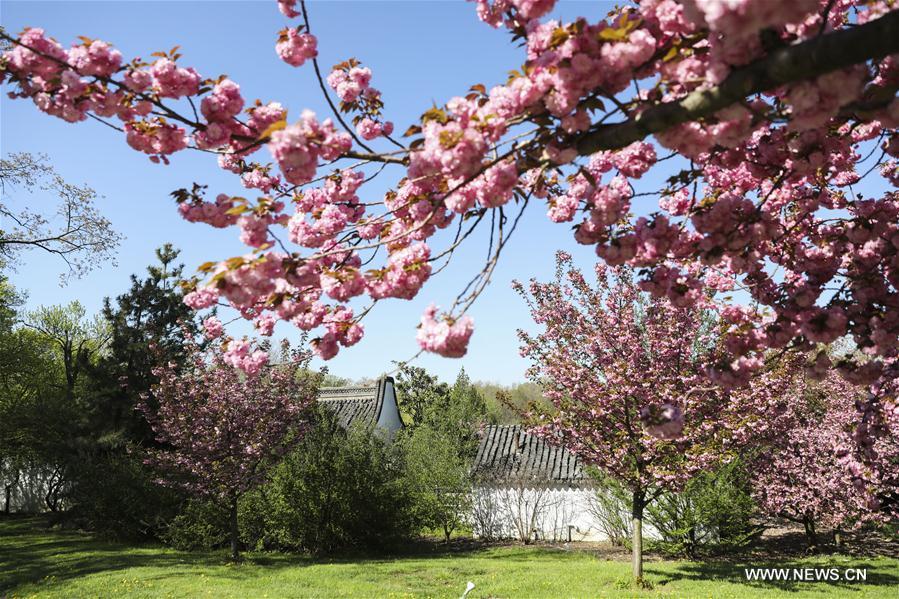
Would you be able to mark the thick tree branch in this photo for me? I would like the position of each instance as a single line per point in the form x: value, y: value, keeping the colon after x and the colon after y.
x: 385, y: 158
x: 810, y: 59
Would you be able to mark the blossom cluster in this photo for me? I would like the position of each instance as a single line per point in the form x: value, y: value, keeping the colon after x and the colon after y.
x: 298, y: 148
x: 240, y: 355
x: 352, y: 84
x: 444, y: 336
x: 295, y: 47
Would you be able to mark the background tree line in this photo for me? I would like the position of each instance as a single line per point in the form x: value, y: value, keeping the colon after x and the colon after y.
x: 70, y: 385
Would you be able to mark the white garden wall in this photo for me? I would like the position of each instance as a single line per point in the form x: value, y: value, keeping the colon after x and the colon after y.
x: 563, y: 514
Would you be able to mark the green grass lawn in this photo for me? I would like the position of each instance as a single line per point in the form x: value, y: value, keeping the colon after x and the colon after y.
x: 38, y: 562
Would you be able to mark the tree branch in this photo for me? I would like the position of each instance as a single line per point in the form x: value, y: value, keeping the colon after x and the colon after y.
x: 810, y: 59
x: 321, y: 84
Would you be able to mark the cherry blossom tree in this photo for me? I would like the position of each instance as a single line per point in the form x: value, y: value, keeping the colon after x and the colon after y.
x: 220, y: 429
x: 772, y: 111
x: 809, y: 475
x: 624, y: 372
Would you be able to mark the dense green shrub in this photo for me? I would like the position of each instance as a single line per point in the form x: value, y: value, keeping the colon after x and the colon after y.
x: 200, y: 525
x: 726, y: 503
x: 338, y: 489
x: 438, y: 477
x: 253, y: 521
x: 713, y: 513
x: 113, y: 493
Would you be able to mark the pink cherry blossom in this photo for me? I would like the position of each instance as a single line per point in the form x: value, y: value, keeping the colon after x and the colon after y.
x: 444, y: 336
x: 369, y: 129
x: 265, y: 324
x: 95, y: 58
x: 298, y: 147
x: 296, y: 48
x: 172, y: 81
x: 288, y: 8
x: 201, y: 298
x: 212, y: 327
x: 241, y: 356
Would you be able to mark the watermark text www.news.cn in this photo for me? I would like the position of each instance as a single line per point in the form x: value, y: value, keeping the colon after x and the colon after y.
x: 807, y: 574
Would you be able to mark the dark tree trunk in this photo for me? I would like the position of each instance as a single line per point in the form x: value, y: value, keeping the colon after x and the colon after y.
x: 7, y: 503
x: 690, y: 542
x: 51, y: 499
x: 810, y: 534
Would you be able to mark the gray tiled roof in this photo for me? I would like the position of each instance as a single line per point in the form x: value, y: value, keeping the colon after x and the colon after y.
x: 353, y: 405
x: 510, y: 453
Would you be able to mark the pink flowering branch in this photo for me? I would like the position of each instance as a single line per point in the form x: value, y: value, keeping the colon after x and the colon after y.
x: 763, y: 103
x: 321, y: 83
x: 807, y: 60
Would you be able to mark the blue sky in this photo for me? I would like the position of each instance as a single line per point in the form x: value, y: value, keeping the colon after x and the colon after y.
x: 421, y: 53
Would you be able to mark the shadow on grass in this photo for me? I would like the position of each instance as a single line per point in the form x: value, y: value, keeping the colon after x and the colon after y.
x: 884, y: 575
x: 30, y: 552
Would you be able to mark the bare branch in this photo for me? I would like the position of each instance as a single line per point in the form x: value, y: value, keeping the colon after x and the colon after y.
x: 77, y: 232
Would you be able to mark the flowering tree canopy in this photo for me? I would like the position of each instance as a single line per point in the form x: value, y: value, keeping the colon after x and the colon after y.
x: 810, y: 475
x: 774, y: 110
x: 220, y: 429
x: 625, y: 374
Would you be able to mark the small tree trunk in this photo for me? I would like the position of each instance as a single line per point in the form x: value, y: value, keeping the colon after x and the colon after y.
x: 690, y: 542
x: 7, y: 504
x: 446, y: 534
x: 637, y: 544
x: 810, y: 535
x: 235, y: 552
x: 838, y: 538
x: 51, y: 499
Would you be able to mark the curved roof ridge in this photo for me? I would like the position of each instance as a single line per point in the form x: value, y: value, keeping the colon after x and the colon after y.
x: 357, y: 403
x: 379, y: 398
